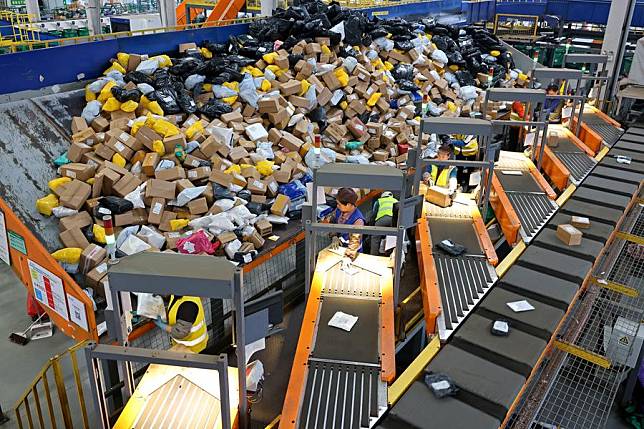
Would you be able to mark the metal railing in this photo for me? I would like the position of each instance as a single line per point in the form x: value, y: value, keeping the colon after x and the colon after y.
x: 29, y: 408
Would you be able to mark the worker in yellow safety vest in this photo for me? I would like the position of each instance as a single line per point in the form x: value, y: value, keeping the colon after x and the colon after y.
x: 443, y: 176
x: 186, y: 322
x: 382, y: 215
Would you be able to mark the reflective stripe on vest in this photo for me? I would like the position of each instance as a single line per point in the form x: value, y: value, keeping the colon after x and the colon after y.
x: 386, y: 207
x: 197, y: 339
x: 443, y: 179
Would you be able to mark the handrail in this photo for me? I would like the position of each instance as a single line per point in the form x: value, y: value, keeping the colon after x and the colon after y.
x: 54, y: 364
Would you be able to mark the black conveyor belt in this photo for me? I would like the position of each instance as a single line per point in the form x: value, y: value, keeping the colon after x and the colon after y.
x: 459, y: 230
x: 490, y: 372
x: 518, y: 183
x: 609, y: 133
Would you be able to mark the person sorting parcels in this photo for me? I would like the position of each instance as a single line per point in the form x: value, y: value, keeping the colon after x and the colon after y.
x: 383, y: 214
x: 347, y: 213
x: 553, y: 107
x: 444, y: 176
x: 186, y: 322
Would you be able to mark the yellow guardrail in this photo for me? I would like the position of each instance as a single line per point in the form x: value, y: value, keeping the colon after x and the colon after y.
x: 512, y: 25
x: 30, y: 406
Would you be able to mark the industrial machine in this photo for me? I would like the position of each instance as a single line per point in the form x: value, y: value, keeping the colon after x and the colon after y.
x: 178, y: 376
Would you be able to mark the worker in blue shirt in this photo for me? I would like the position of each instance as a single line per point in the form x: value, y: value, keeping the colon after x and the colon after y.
x: 552, y: 107
x: 347, y: 213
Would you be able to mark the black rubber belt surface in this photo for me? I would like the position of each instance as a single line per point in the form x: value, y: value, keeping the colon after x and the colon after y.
x: 555, y: 263
x: 597, y: 231
x: 594, y: 211
x: 627, y: 189
x: 537, y: 285
x: 518, y: 351
x: 420, y: 409
x: 515, y: 183
x: 565, y: 145
x: 358, y: 345
x: 588, y: 249
x: 630, y: 146
x: 578, y: 163
x: 634, y: 166
x: 541, y: 322
x: 533, y: 210
x: 460, y: 231
x: 462, y: 280
x: 617, y: 174
x: 339, y: 396
x: 483, y: 385
x: 605, y: 198
x: 635, y: 156
x: 608, y: 132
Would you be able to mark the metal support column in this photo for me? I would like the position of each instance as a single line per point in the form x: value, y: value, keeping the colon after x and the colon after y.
x: 33, y: 10
x: 93, y: 10
x: 168, y: 10
x: 614, y: 44
x: 238, y: 300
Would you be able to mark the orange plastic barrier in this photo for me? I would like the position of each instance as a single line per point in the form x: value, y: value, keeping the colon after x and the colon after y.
x: 225, y: 10
x: 504, y: 212
x: 67, y: 305
x: 428, y: 277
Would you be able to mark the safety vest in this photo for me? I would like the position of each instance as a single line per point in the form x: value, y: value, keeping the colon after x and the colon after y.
x: 386, y: 207
x: 357, y: 214
x: 198, y: 337
x: 470, y: 148
x: 443, y: 178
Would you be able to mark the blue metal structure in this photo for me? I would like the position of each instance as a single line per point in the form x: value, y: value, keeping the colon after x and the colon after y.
x: 45, y: 67
x: 589, y: 11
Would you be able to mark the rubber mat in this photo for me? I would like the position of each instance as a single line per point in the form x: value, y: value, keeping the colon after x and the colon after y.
x: 518, y: 183
x: 537, y: 285
x: 617, y: 174
x: 460, y: 231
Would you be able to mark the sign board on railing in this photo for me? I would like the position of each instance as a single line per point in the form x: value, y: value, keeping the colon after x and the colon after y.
x: 67, y: 305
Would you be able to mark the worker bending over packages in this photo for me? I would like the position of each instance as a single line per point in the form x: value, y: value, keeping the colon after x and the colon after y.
x: 347, y: 213
x: 444, y: 176
x: 186, y: 322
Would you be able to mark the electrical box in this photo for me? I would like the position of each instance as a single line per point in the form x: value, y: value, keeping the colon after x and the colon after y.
x: 623, y: 341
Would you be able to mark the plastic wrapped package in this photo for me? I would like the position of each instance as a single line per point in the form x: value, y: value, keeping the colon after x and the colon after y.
x: 196, y: 243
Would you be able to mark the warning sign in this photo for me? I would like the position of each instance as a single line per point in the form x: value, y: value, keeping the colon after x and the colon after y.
x: 4, y: 243
x: 77, y: 311
x: 624, y: 341
x: 48, y: 289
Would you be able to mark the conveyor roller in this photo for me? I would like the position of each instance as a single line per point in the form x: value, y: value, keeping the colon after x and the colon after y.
x: 609, y: 133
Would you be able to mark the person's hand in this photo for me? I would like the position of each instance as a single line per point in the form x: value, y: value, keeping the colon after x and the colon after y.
x: 346, y: 263
x: 161, y: 324
x: 335, y: 243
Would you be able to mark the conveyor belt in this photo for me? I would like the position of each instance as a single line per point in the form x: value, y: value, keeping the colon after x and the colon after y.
x: 609, y: 133
x: 578, y: 163
x: 491, y: 371
x: 342, y: 385
x: 533, y: 209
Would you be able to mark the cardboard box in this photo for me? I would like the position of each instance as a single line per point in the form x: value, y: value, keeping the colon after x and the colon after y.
x: 569, y: 235
x: 283, y: 175
x: 100, y: 124
x: 78, y: 171
x: 133, y: 217
x: 290, y: 88
x: 165, y: 221
x: 103, y: 151
x: 264, y: 227
x: 259, y: 199
x: 268, y: 105
x: 256, y: 186
x: 221, y: 178
x: 199, y: 173
x: 156, y: 188
x: 290, y: 142
x: 94, y: 276
x: 80, y: 220
x: 271, y: 186
x: 110, y: 178
x: 232, y: 117
x: 183, y: 47
x: 121, y: 148
x: 130, y: 141
x: 580, y: 222
x: 280, y: 206
x: 75, y: 194
x: 198, y: 206
x: 91, y: 257
x: 77, y: 150
x: 170, y: 143
x: 78, y: 124
x: 87, y: 136
x: 157, y: 207
x: 146, y: 136
x: 126, y: 184
x: 150, y: 163
x: 439, y: 196
x: 171, y: 239
x: 226, y: 237
x: 255, y: 238
x: 73, y: 237
x: 169, y: 174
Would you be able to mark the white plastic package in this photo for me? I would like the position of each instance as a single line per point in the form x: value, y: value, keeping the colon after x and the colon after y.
x: 133, y: 245
x: 193, y: 80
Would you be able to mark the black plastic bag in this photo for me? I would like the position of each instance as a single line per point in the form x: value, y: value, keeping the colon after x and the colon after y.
x: 404, y: 45
x: 115, y: 205
x: 185, y: 66
x: 403, y: 71
x: 407, y: 85
x: 456, y: 58
x: 138, y: 77
x: 166, y: 97
x: 244, y: 194
x: 186, y: 102
x: 215, y: 108
x: 123, y: 95
x: 464, y: 78
x: 318, y: 115
x: 222, y: 193
x: 451, y: 248
x: 255, y: 208
x: 378, y: 32
x: 353, y: 26
x: 215, y: 48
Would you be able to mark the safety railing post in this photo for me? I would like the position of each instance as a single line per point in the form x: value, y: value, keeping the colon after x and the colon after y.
x: 62, y: 394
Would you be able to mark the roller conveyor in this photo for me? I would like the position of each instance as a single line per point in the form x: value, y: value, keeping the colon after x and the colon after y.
x: 608, y: 132
x: 575, y: 156
x: 524, y: 193
x: 339, y: 378
x: 461, y: 280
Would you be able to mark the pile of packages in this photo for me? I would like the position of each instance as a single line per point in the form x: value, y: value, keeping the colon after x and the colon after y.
x: 206, y: 151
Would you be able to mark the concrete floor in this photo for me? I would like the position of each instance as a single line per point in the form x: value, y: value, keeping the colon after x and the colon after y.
x: 21, y: 363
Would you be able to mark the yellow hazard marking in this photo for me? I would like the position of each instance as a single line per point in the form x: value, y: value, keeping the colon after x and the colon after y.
x: 583, y: 354
x: 617, y: 287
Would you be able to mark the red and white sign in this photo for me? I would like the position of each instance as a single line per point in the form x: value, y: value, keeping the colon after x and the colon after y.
x: 48, y: 289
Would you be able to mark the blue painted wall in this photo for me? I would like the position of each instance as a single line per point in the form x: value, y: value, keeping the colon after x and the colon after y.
x: 46, y: 67
x: 591, y: 11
